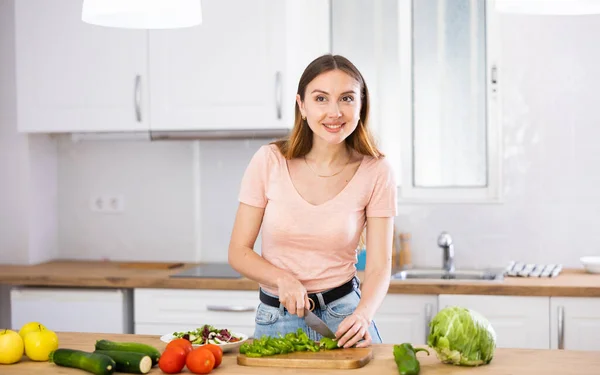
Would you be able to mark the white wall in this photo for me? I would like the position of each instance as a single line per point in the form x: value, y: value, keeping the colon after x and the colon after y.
x: 28, y: 213
x: 13, y: 151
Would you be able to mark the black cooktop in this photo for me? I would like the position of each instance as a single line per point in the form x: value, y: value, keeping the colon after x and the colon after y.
x: 210, y: 271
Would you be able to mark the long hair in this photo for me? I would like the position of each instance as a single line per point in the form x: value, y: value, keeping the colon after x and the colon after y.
x: 299, y: 142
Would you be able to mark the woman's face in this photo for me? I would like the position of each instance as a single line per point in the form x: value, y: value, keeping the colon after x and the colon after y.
x: 331, y: 106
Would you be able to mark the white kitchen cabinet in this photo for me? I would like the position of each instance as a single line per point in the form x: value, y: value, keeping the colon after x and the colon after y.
x: 162, y: 311
x: 575, y: 323
x: 519, y: 322
x: 73, y: 309
x: 240, y: 69
x: 405, y: 318
x: 72, y: 76
x: 237, y: 71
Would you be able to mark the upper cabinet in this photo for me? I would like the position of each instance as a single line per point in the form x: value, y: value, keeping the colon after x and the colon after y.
x: 76, y: 77
x: 239, y: 70
x: 226, y: 73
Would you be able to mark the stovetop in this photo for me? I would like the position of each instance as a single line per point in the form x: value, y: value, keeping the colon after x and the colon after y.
x: 210, y: 271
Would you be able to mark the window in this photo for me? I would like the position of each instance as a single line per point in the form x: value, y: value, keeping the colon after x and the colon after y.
x: 431, y: 67
x: 449, y: 128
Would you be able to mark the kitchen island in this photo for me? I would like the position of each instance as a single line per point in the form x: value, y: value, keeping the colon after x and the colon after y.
x: 506, y: 361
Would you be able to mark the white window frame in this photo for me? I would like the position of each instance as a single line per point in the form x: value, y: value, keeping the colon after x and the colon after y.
x: 407, y: 192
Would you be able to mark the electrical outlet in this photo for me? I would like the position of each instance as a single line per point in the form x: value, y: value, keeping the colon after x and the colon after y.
x: 107, y: 204
x: 97, y: 203
x: 115, y: 203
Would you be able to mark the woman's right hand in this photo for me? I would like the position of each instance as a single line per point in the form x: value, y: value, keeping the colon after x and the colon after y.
x: 293, y: 295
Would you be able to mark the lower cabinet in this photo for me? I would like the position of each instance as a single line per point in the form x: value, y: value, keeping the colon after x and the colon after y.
x: 519, y: 322
x: 164, y: 311
x: 405, y: 318
x: 575, y: 323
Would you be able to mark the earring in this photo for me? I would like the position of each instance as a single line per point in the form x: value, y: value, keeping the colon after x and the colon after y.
x: 303, y: 118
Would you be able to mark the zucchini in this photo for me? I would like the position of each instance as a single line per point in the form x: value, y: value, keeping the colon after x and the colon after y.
x: 135, y: 347
x: 130, y: 362
x: 97, y: 364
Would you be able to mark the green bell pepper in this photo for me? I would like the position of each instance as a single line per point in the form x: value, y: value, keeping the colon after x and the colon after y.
x: 328, y: 344
x: 405, y: 356
x: 291, y: 342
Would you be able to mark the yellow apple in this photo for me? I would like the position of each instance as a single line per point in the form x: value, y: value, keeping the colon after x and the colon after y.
x: 39, y: 344
x: 11, y: 347
x: 30, y: 327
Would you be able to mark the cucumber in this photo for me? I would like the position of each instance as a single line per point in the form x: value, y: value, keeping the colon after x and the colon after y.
x: 97, y: 364
x: 135, y: 347
x: 130, y: 362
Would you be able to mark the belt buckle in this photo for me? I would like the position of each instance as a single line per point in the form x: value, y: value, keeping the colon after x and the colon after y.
x: 312, y: 304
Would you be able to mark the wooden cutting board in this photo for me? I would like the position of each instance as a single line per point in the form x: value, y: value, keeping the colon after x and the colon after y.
x: 327, y: 359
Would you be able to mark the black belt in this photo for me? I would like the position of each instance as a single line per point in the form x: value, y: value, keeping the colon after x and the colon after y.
x: 328, y: 296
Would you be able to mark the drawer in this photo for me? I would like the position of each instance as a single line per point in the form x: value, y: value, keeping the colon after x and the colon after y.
x: 408, y: 303
x: 192, y: 308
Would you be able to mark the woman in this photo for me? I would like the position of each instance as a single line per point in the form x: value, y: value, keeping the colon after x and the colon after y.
x: 314, y: 194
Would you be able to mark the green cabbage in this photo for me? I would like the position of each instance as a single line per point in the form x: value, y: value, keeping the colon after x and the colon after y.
x: 461, y: 336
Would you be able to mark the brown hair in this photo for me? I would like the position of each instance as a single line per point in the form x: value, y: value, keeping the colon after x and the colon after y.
x: 299, y: 141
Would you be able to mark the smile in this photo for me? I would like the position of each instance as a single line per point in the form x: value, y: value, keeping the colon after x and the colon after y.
x: 333, y: 126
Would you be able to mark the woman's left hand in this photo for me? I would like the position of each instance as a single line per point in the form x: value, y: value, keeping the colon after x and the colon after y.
x: 353, y: 329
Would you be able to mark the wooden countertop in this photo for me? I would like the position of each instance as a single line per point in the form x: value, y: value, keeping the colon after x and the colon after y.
x: 506, y: 361
x: 570, y: 283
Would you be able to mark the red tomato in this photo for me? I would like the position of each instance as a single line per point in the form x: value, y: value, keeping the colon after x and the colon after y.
x: 200, y: 361
x: 217, y: 351
x: 172, y: 360
x: 182, y: 343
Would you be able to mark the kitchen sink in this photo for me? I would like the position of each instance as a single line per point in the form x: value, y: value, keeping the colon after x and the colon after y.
x: 439, y: 274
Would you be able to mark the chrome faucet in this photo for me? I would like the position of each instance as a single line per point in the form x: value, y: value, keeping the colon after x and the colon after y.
x: 445, y: 242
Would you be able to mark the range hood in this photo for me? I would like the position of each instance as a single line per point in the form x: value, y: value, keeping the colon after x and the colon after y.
x: 218, y: 134
x: 181, y: 135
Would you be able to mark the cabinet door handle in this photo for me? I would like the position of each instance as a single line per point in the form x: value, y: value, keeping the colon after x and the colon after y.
x: 137, y: 98
x: 561, y: 327
x: 229, y: 308
x: 428, y: 313
x: 278, y: 94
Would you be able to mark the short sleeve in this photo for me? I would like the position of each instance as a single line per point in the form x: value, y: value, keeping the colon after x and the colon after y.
x: 383, y: 202
x: 253, y: 190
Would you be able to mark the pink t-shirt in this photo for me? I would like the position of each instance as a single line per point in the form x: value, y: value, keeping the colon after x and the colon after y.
x: 317, y: 244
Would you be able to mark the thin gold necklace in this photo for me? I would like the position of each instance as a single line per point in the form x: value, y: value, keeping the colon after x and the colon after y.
x: 331, y: 175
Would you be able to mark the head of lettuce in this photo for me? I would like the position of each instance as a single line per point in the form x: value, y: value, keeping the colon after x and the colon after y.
x: 461, y: 336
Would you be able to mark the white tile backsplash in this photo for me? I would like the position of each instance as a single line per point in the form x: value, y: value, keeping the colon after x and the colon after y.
x: 223, y: 164
x: 156, y: 180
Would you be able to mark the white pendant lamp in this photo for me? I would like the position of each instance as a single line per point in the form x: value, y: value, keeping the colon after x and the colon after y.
x: 142, y: 14
x: 549, y: 7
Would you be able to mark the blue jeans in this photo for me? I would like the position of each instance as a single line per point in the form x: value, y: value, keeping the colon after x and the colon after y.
x: 272, y: 321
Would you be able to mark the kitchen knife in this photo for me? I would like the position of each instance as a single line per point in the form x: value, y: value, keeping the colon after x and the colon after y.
x: 317, y: 324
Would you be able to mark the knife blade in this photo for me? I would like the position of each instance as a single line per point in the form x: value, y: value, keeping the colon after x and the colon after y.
x: 317, y: 324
